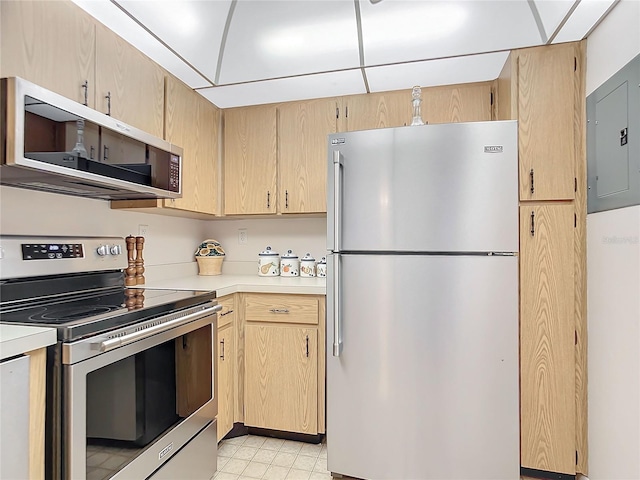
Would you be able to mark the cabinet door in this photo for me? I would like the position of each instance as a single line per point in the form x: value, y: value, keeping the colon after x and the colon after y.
x: 226, y: 351
x: 302, y: 154
x: 51, y: 44
x: 281, y: 382
x: 193, y: 124
x: 250, y: 160
x: 135, y: 83
x: 547, y: 337
x: 546, y: 108
x: 377, y: 110
x: 457, y: 103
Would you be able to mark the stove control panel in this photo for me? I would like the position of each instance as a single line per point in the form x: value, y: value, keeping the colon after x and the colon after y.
x: 51, y: 251
x: 103, y: 250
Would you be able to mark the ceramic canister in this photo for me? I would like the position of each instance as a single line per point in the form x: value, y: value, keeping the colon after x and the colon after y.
x: 307, y: 266
x: 289, y: 265
x: 268, y: 263
x: 322, y: 267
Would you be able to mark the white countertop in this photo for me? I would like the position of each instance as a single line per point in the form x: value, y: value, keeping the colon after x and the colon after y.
x: 18, y: 339
x: 227, y: 284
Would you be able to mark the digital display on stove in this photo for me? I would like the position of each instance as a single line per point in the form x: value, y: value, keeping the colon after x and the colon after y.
x: 51, y: 251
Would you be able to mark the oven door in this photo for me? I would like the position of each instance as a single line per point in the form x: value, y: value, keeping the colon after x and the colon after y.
x: 128, y: 410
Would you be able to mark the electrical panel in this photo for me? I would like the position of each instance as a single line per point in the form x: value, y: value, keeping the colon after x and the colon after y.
x: 613, y: 141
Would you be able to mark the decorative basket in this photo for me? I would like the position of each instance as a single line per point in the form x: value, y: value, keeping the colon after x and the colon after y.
x: 210, y: 256
x: 209, y: 265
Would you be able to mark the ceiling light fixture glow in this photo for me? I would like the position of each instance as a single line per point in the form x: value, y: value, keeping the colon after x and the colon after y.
x: 179, y: 15
x: 311, y: 38
x: 385, y: 25
x: 420, y: 22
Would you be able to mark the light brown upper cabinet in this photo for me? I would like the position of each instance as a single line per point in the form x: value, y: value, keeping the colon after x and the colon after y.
x: 547, y: 338
x: 193, y: 123
x: 129, y: 86
x: 451, y: 103
x: 302, y: 154
x: 547, y: 78
x: 51, y: 44
x: 375, y: 110
x: 250, y: 160
x: 457, y: 103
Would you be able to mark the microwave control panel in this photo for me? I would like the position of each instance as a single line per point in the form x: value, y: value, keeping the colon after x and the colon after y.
x: 51, y: 251
x: 174, y: 174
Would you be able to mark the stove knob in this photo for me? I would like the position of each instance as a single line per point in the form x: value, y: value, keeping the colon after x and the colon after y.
x: 103, y: 250
x: 116, y: 250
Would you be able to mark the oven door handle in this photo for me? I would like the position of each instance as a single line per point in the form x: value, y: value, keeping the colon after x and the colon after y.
x: 116, y: 342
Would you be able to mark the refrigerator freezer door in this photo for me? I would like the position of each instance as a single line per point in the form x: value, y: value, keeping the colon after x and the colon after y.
x: 426, y: 386
x: 442, y: 188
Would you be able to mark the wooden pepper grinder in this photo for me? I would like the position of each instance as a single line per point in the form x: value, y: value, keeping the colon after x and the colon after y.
x: 139, y: 261
x: 130, y: 273
x: 139, y: 271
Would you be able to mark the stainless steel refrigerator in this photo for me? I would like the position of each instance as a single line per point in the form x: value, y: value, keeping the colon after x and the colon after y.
x: 422, y: 313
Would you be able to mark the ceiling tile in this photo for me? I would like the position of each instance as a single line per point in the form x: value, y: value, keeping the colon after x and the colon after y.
x: 347, y: 82
x: 473, y: 68
x: 583, y: 18
x: 269, y: 39
x: 552, y: 12
x: 194, y: 29
x: 116, y: 20
x: 400, y: 31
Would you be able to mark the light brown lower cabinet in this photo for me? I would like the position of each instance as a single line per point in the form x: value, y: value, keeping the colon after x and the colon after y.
x: 226, y: 358
x: 284, y: 362
x: 547, y: 338
x: 281, y: 378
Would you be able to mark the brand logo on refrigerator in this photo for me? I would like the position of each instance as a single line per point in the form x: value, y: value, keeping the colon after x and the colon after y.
x: 493, y: 148
x: 337, y: 141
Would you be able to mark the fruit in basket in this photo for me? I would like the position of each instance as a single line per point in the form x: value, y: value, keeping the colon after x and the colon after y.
x: 210, y: 248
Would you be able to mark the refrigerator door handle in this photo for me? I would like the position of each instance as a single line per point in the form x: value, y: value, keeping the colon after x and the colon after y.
x: 337, y: 199
x: 337, y: 327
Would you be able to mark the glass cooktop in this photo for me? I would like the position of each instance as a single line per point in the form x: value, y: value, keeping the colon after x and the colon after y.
x: 80, y: 316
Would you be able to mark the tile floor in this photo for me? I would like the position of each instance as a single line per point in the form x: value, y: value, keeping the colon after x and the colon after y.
x: 251, y: 457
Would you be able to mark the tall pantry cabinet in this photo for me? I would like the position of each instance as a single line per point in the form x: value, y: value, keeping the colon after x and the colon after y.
x: 543, y: 88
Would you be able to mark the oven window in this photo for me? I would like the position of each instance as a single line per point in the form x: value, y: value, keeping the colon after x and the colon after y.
x: 133, y: 402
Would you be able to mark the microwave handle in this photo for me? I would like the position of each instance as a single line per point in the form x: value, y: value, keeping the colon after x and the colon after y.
x: 116, y: 342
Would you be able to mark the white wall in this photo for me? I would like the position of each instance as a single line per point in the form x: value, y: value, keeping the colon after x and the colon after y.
x: 613, y: 279
x: 613, y: 263
x: 613, y: 43
x: 169, y: 240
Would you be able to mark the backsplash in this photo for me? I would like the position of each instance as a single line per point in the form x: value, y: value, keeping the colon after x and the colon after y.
x: 169, y: 240
x: 301, y: 235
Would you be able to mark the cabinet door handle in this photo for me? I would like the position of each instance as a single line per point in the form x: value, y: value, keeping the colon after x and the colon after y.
x: 307, y: 346
x: 286, y: 199
x: 226, y: 313
x: 85, y: 86
x: 268, y: 199
x: 108, y: 97
x: 533, y: 224
x: 279, y: 310
x: 92, y: 152
x: 105, y: 156
x: 531, y: 177
x: 222, y: 349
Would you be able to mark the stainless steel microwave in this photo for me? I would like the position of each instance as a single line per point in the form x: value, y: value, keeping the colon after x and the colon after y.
x: 53, y: 144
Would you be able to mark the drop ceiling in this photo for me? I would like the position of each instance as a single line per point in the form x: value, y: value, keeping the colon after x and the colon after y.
x: 248, y: 52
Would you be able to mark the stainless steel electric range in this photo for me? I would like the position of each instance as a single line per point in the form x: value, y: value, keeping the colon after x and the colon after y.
x: 130, y: 389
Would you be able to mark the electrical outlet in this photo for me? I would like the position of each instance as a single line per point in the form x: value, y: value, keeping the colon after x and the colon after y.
x: 143, y: 230
x: 243, y: 236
